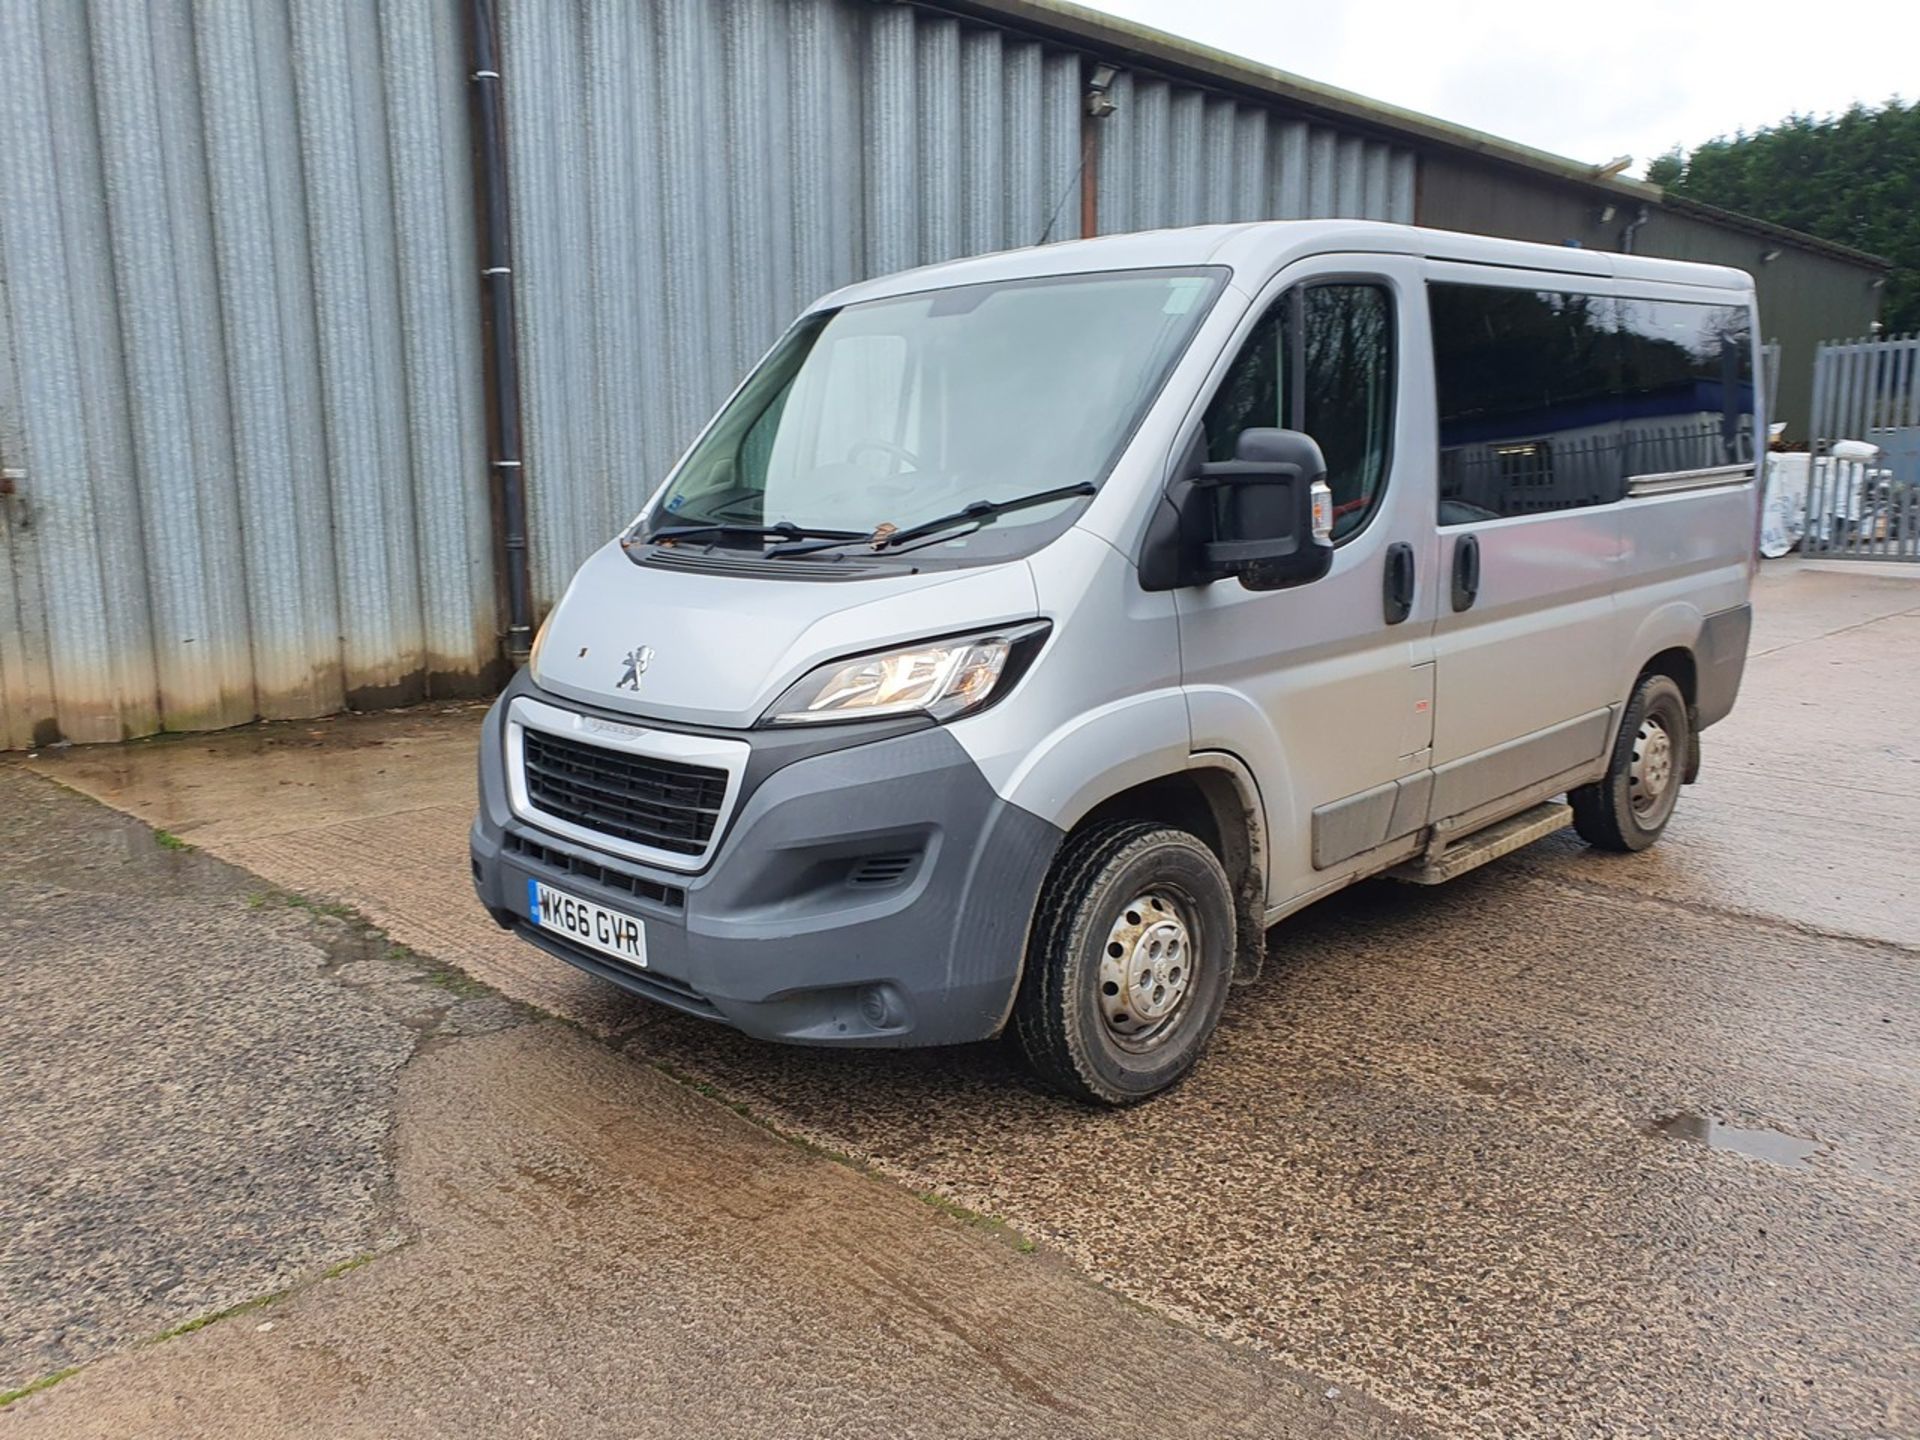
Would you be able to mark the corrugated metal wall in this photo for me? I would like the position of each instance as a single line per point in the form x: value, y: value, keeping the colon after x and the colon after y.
x: 239, y: 355
x: 687, y: 175
x: 241, y: 403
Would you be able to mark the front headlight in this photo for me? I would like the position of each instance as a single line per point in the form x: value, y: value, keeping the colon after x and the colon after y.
x: 539, y: 641
x: 941, y: 678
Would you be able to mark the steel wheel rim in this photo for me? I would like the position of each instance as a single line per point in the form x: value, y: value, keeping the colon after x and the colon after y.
x: 1147, y: 967
x: 1650, y: 778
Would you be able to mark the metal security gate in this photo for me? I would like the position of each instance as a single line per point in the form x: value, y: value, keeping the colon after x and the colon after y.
x: 1863, y: 492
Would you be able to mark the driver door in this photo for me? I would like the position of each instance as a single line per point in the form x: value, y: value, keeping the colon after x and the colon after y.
x: 1325, y: 690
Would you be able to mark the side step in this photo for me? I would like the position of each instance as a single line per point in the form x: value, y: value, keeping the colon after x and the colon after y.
x: 1484, y: 845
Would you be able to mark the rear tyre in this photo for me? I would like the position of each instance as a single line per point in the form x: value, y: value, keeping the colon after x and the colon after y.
x: 1128, y: 965
x: 1628, y: 808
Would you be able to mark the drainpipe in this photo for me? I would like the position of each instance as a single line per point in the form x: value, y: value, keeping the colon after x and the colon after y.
x: 500, y: 355
x: 1099, y: 104
x: 1626, y: 231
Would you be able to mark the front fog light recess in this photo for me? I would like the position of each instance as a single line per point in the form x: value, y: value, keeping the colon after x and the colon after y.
x: 944, y: 679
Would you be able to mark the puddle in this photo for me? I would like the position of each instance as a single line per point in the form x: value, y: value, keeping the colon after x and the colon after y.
x: 1775, y: 1146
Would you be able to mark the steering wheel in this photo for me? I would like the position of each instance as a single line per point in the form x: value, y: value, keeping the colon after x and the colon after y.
x: 885, y: 447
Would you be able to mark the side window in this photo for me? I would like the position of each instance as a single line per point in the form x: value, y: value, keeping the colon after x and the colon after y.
x: 1321, y: 361
x: 1686, y: 385
x: 1527, y: 384
x: 1552, y: 400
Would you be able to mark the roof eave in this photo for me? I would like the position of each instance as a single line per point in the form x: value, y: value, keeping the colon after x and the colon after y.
x: 1119, y: 41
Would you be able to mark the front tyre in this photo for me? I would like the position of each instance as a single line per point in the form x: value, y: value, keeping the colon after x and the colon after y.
x: 1628, y: 808
x: 1128, y: 965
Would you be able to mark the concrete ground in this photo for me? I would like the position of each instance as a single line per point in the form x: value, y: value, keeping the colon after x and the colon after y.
x: 267, y: 1174
x: 1577, y: 1145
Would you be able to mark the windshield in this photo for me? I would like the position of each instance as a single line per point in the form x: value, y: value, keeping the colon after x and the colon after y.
x: 885, y: 415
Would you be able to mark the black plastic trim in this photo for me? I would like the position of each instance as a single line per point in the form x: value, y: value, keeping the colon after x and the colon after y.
x: 1720, y: 660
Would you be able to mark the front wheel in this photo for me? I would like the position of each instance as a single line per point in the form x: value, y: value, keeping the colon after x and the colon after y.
x: 1628, y: 808
x: 1128, y: 965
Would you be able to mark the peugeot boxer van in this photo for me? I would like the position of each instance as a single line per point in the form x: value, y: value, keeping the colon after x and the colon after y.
x: 1028, y: 634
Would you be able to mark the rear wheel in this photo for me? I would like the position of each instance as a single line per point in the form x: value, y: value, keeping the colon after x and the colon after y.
x: 1128, y: 965
x: 1628, y: 808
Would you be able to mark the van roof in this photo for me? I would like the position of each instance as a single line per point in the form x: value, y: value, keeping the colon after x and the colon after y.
x: 1262, y: 247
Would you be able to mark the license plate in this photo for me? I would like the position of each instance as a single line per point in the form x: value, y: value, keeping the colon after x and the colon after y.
x: 586, y: 923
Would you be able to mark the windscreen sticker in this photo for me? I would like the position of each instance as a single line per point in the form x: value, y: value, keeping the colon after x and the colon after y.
x: 1184, y: 294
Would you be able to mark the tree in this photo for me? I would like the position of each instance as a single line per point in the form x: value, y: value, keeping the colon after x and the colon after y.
x: 1852, y: 178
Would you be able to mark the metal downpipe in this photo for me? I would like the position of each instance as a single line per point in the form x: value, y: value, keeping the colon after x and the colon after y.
x: 498, y: 339
x: 1631, y: 228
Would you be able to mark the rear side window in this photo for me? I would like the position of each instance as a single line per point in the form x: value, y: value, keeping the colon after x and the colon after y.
x: 1554, y: 400
x: 1320, y: 361
x: 1686, y: 385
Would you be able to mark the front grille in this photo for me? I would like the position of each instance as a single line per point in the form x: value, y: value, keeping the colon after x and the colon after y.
x: 611, y: 876
x: 663, y: 804
x: 877, y: 871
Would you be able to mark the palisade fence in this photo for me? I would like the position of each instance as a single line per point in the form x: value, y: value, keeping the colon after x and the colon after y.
x: 242, y: 422
x: 1865, y: 505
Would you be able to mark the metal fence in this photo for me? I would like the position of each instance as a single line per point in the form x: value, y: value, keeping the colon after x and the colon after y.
x: 1531, y: 475
x: 1865, y: 503
x: 241, y: 421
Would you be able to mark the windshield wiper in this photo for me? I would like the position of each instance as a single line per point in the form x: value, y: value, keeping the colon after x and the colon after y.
x: 785, y: 529
x: 981, y: 511
x: 977, y: 514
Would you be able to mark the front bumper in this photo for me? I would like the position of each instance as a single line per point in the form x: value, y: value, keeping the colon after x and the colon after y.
x: 872, y: 895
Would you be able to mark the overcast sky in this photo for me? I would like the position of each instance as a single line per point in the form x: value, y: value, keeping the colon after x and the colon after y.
x: 1588, y: 81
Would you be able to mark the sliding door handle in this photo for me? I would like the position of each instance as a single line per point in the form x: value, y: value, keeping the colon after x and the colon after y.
x: 1398, y: 595
x: 1466, y: 571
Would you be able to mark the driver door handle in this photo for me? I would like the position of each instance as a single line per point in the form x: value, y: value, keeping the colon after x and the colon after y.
x: 1398, y: 595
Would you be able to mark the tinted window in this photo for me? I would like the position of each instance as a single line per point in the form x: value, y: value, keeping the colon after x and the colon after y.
x: 1552, y: 400
x: 1336, y: 342
x: 1686, y: 385
x: 1527, y: 383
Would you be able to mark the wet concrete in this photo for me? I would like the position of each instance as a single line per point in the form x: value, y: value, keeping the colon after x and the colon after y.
x: 1761, y: 1142
x: 1805, y: 812
x: 265, y: 1174
x: 197, y: 1082
x: 1422, y: 1161
x: 602, y: 1252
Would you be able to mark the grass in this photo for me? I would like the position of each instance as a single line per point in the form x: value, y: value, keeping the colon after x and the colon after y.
x: 995, y: 1227
x: 167, y: 840
x: 200, y: 1322
x: 45, y: 1382
x: 331, y: 909
x: 334, y: 1272
x: 446, y: 977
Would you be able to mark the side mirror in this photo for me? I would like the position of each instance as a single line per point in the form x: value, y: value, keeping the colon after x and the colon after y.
x: 1272, y: 511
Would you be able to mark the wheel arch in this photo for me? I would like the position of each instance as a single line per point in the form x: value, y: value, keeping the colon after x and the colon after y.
x: 1215, y: 798
x: 1665, y: 642
x: 1678, y: 664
